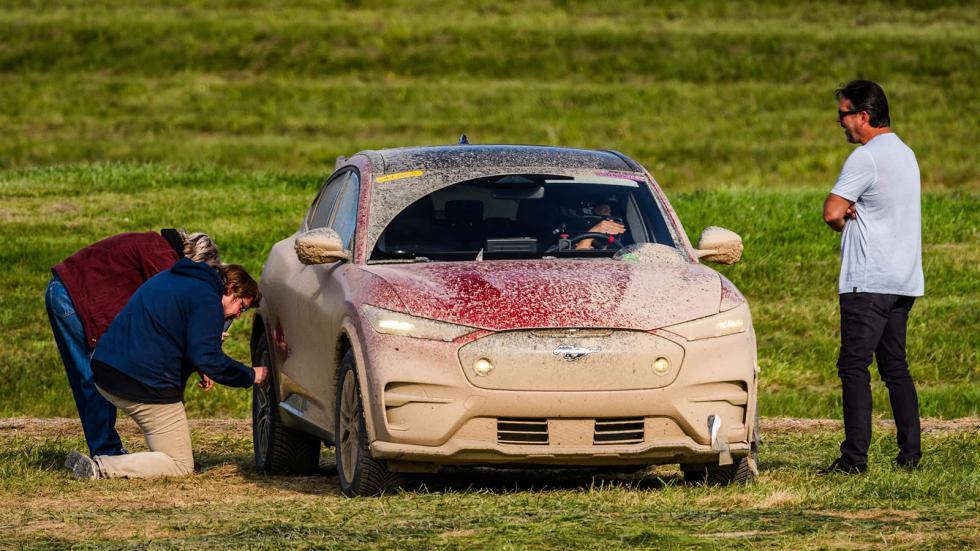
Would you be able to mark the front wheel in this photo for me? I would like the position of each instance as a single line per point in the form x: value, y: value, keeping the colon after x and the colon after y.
x: 278, y: 449
x: 357, y: 472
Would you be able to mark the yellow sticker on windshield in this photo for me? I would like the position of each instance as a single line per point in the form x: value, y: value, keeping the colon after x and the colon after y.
x: 398, y: 176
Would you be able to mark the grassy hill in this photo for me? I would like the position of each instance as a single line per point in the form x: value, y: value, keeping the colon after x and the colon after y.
x: 223, y: 116
x: 703, y: 93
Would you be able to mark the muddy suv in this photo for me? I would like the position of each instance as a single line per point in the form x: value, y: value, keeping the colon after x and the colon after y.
x: 501, y: 305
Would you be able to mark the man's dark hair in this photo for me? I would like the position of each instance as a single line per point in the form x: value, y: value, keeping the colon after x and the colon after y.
x: 866, y: 95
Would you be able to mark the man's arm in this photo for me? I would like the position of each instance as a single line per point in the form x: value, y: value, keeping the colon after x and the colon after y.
x: 836, y: 211
x: 203, y: 347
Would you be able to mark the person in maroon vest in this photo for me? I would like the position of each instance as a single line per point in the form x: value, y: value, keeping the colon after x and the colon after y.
x: 88, y: 290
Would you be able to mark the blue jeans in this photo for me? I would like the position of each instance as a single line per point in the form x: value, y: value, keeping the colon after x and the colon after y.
x: 97, y: 414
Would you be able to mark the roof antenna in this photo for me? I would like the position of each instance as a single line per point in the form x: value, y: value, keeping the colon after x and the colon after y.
x: 463, y: 140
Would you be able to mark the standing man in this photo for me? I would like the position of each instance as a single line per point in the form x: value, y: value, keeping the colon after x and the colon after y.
x: 86, y: 293
x: 876, y: 207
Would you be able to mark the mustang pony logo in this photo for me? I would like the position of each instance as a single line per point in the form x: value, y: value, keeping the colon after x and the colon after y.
x: 572, y: 353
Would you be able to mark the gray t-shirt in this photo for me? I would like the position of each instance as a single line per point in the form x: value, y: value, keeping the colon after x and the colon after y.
x: 881, y: 251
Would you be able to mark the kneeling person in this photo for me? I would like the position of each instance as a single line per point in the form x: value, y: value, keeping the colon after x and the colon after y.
x: 170, y: 328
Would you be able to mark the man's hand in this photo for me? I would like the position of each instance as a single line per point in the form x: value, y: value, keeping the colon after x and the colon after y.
x: 205, y: 383
x: 261, y: 374
x: 606, y: 226
x: 835, y: 211
x: 224, y: 335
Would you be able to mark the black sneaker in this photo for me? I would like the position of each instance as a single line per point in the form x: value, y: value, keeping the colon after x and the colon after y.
x: 840, y: 465
x: 907, y: 464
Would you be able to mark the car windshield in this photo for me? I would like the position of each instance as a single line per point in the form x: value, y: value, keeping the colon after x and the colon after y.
x: 525, y: 216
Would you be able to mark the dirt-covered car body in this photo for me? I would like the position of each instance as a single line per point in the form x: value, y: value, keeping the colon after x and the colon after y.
x: 453, y: 320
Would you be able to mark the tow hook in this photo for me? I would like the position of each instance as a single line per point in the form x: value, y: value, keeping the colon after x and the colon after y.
x: 719, y: 442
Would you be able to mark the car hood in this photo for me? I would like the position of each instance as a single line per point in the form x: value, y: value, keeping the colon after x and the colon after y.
x: 500, y: 295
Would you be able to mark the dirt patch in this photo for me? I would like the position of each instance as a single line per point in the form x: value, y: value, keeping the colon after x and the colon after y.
x: 730, y: 535
x: 62, y: 208
x: 875, y: 514
x: 64, y: 427
x: 789, y: 424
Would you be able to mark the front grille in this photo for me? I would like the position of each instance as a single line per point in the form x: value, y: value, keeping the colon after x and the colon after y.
x: 522, y: 431
x: 618, y: 431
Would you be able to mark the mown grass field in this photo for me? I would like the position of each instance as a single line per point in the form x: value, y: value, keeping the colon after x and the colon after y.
x: 224, y: 115
x: 228, y: 506
x: 703, y: 93
x: 789, y: 274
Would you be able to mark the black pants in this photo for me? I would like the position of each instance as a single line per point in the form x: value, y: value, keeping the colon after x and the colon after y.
x: 873, y: 324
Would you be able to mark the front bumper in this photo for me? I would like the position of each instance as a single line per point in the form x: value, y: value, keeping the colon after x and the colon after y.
x: 425, y: 408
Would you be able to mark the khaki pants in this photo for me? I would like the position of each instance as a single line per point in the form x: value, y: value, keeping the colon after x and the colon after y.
x: 167, y: 435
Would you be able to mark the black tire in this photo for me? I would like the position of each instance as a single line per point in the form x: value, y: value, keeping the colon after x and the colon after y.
x: 741, y: 471
x: 278, y: 450
x: 357, y: 472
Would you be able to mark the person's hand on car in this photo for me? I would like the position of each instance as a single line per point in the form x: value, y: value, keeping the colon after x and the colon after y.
x: 206, y: 383
x: 261, y: 374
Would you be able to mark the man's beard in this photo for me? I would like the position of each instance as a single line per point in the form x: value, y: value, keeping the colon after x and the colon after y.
x: 849, y: 136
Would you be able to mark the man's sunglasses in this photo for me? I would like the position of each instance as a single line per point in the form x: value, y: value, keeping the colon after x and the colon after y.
x: 842, y: 114
x: 242, y: 307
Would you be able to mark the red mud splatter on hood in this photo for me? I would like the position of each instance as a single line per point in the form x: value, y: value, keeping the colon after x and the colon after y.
x: 500, y: 295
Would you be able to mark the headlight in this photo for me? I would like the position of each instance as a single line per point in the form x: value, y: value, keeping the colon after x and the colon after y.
x: 736, y: 320
x: 397, y: 323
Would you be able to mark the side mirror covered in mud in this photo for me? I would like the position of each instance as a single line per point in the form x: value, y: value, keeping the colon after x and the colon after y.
x: 320, y: 246
x: 719, y: 245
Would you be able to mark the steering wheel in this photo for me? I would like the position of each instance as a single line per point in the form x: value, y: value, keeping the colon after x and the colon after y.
x: 603, y: 241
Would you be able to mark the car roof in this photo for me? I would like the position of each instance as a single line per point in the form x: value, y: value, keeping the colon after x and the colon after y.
x: 449, y: 157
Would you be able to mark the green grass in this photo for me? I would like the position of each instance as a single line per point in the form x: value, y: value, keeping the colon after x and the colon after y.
x: 223, y: 116
x: 230, y: 506
x: 703, y: 93
x: 788, y: 273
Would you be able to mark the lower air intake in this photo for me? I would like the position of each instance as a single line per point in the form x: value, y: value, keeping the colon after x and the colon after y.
x: 618, y: 431
x: 522, y: 431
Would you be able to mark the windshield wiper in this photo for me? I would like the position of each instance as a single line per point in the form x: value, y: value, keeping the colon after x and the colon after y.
x: 406, y: 260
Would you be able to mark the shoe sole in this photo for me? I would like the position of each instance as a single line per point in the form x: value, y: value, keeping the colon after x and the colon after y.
x: 81, y: 467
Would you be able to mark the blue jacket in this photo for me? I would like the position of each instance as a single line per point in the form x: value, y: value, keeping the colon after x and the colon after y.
x: 174, y: 318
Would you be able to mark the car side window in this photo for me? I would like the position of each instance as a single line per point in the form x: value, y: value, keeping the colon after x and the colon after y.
x: 345, y: 215
x: 328, y: 198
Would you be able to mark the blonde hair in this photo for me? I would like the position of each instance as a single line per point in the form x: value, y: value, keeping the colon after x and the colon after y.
x: 199, y: 247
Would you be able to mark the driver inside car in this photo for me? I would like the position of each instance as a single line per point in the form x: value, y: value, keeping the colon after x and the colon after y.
x: 607, y: 226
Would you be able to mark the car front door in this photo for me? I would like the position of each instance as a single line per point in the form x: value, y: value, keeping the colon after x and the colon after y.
x: 317, y: 308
